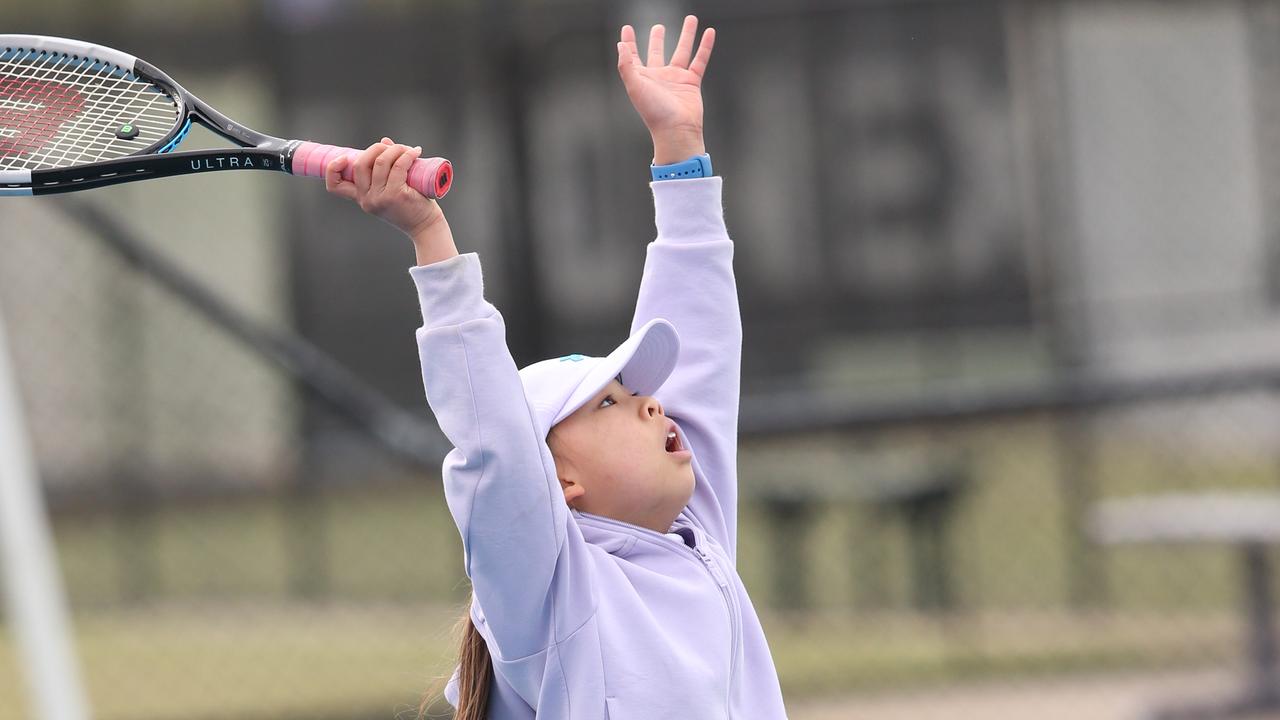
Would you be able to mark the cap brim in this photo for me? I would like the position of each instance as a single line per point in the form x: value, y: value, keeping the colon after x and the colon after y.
x: 644, y: 361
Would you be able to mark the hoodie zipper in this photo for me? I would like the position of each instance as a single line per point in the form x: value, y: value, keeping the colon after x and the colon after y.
x: 716, y: 574
x: 733, y: 624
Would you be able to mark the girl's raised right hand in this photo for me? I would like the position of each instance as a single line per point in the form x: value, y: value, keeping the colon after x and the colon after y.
x: 378, y: 186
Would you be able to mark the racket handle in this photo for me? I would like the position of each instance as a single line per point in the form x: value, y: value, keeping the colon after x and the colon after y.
x: 430, y: 176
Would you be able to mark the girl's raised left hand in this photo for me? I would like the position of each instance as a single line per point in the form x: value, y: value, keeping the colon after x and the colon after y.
x: 668, y: 96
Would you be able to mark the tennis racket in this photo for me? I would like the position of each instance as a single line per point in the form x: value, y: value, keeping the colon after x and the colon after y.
x: 75, y: 116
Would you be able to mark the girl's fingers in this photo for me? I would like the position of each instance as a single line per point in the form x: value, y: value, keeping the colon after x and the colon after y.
x: 656, y: 51
x: 382, y: 167
x: 333, y: 181
x: 699, y: 64
x: 630, y: 52
x: 400, y: 169
x: 626, y: 62
x: 363, y: 170
x: 684, y: 46
x: 387, y: 141
x: 629, y: 38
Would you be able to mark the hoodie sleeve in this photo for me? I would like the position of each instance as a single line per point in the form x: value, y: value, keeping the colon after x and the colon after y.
x: 527, y: 562
x: 688, y: 279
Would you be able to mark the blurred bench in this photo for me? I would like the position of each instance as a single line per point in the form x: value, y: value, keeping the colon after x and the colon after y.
x: 1251, y: 522
x: 917, y: 488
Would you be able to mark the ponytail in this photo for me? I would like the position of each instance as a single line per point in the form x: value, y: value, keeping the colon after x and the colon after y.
x: 475, y: 668
x: 475, y: 674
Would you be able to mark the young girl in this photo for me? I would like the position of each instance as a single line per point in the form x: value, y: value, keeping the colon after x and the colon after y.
x: 597, y: 496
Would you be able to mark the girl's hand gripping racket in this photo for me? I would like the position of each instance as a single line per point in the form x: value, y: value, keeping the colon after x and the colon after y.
x: 75, y: 116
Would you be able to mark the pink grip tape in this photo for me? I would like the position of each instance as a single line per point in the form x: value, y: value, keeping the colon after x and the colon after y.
x: 430, y: 176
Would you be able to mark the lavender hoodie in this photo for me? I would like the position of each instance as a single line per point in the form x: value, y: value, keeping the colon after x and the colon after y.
x: 587, y: 617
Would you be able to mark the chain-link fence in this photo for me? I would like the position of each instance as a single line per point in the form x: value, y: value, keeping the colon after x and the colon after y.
x: 999, y: 263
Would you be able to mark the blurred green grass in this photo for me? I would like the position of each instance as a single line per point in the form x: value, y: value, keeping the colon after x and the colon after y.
x: 222, y: 636
x: 246, y: 660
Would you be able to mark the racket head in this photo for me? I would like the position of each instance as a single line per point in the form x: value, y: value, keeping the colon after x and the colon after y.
x: 66, y: 103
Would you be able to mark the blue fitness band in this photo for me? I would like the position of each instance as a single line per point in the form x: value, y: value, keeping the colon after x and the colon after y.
x: 695, y: 167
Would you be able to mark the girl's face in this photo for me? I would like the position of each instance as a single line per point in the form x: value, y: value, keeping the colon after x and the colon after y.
x: 612, y: 460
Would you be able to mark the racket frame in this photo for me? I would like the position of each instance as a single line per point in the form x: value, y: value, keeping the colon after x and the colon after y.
x: 257, y: 151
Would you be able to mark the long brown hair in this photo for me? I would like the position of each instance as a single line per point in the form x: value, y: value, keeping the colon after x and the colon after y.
x: 475, y: 674
x: 475, y: 668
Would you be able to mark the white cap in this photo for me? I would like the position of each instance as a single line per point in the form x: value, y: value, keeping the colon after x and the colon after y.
x: 559, y: 386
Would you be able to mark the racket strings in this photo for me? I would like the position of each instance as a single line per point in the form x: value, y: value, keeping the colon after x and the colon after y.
x: 89, y: 136
x: 57, y: 110
x: 44, y: 146
x: 54, y: 79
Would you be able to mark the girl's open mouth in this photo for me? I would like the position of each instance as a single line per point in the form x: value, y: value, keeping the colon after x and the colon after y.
x: 674, y: 447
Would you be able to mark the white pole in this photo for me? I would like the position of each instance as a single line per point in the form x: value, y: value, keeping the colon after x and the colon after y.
x: 36, y: 608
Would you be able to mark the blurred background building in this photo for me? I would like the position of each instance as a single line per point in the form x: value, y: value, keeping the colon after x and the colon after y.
x: 999, y: 262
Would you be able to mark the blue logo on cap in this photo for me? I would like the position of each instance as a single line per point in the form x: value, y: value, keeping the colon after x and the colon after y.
x: 574, y: 357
